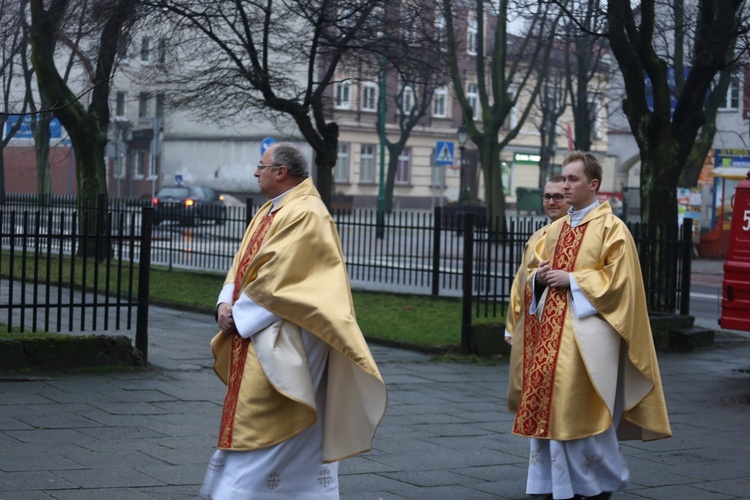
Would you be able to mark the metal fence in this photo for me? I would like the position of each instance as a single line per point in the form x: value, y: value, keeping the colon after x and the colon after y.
x: 68, y: 268
x: 432, y: 253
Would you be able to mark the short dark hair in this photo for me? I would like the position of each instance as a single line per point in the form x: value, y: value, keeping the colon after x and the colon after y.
x: 592, y: 168
x: 289, y: 155
x: 556, y: 179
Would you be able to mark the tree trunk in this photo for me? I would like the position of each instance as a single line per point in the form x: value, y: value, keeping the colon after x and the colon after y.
x: 697, y: 157
x: 42, y: 137
x: 658, y: 195
x: 489, y: 156
x: 390, y: 180
x: 325, y: 144
x: 325, y: 161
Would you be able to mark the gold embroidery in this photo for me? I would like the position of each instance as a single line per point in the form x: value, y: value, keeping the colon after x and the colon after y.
x: 541, y: 346
x: 239, y: 344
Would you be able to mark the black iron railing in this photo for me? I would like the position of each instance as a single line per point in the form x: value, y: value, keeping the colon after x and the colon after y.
x: 439, y: 253
x: 72, y: 269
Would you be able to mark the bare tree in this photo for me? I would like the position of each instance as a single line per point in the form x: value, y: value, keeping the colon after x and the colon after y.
x: 416, y: 71
x: 552, y: 103
x: 269, y: 58
x: 650, y: 48
x: 508, y: 68
x: 105, y: 22
x: 13, y: 43
x: 412, y: 101
x: 586, y: 72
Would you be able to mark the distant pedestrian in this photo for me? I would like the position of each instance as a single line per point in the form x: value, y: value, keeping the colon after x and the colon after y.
x: 303, y: 390
x: 590, y: 373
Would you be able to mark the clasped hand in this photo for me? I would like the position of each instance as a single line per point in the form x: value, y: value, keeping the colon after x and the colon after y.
x: 552, y: 277
x: 225, y: 319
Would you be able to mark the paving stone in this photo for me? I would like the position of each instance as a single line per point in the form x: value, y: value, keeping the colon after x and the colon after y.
x: 99, y: 494
x: 447, y: 433
x: 24, y: 462
x: 31, y: 481
x: 111, y: 475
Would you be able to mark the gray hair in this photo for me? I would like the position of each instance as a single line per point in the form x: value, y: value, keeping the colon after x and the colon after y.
x: 291, y: 157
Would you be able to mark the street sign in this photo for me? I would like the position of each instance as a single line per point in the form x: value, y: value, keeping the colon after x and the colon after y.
x: 444, y: 153
x: 265, y: 145
x: 24, y: 132
x: 178, y: 179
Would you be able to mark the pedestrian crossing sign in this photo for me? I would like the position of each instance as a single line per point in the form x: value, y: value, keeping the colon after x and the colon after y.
x: 444, y: 153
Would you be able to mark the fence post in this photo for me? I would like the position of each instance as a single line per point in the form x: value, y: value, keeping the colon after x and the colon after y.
x: 467, y: 281
x: 687, y: 260
x: 437, y: 224
x: 144, y: 268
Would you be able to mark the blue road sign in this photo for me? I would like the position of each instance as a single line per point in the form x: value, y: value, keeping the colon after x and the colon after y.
x: 24, y: 132
x: 265, y: 145
x: 444, y: 153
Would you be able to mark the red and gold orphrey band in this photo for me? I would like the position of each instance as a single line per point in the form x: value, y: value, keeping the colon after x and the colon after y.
x: 239, y: 344
x: 541, y: 350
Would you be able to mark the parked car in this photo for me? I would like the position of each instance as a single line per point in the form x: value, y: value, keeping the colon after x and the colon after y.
x: 188, y: 205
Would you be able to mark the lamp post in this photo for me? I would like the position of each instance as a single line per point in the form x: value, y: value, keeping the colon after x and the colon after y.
x: 462, y: 136
x: 380, y: 222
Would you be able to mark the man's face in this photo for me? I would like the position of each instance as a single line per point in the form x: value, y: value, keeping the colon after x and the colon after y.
x: 580, y: 192
x: 554, y: 200
x: 265, y: 174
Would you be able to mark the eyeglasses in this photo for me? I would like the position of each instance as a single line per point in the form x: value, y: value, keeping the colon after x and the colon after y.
x: 549, y: 197
x: 261, y: 166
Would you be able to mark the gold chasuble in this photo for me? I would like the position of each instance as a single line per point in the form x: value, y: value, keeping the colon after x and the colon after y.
x: 575, y: 368
x: 292, y: 264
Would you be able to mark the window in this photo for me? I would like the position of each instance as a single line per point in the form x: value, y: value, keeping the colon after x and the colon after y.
x: 344, y: 93
x: 139, y: 163
x: 119, y: 159
x: 440, y: 103
x: 471, y: 35
x: 369, y: 96
x: 441, y: 31
x: 367, y: 163
x: 472, y: 96
x: 595, y: 111
x: 375, y: 21
x: 143, y: 105
x: 152, y: 167
x: 162, y: 57
x: 511, y: 121
x: 407, y: 99
x: 403, y: 169
x: 146, y: 49
x: 159, y: 109
x: 120, y: 105
x: 341, y: 170
x: 732, y: 99
x: 408, y: 15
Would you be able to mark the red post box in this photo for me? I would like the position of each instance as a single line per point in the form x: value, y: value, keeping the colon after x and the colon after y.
x: 735, y: 300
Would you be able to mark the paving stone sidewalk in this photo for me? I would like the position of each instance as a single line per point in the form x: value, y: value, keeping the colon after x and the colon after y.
x: 149, y: 435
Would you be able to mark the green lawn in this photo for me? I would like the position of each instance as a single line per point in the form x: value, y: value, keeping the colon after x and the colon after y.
x: 409, y: 319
